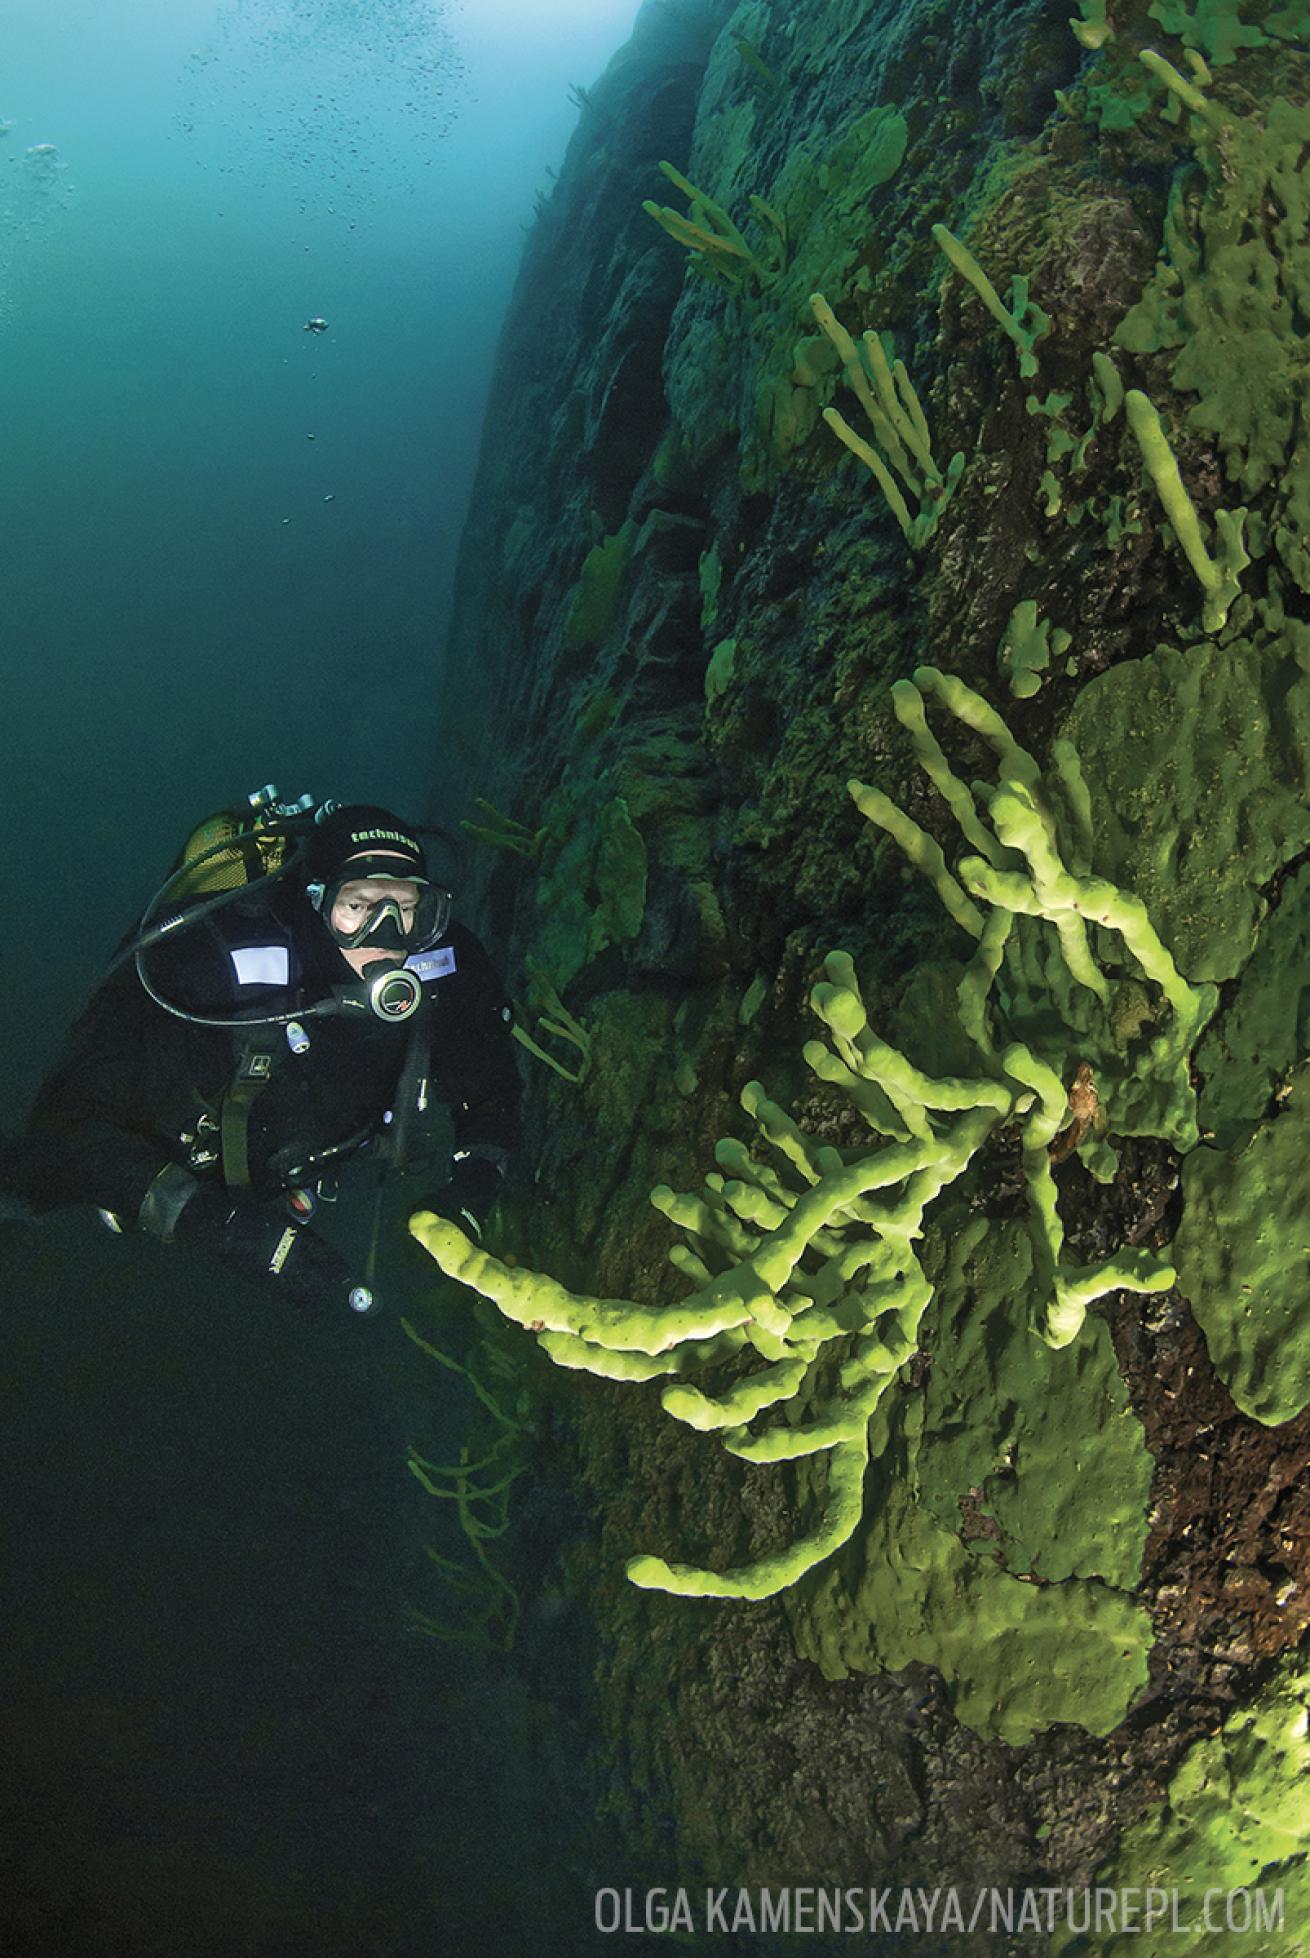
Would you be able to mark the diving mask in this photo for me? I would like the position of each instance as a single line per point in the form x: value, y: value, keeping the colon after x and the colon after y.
x: 387, y: 921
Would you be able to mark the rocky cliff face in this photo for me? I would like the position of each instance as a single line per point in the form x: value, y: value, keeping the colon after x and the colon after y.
x: 1063, y: 482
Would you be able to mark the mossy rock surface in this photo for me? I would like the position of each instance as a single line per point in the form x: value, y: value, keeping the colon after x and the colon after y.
x: 1040, y: 1447
x: 1266, y: 1028
x: 1243, y: 1258
x: 1005, y: 1508
x: 1016, y: 1657
x: 592, y: 891
x: 1236, y: 1822
x: 1240, y: 269
x: 596, y: 594
x: 1004, y: 1517
x: 1197, y: 763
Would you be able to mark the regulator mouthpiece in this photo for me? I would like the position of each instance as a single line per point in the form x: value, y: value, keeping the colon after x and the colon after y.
x: 391, y: 993
x: 395, y: 994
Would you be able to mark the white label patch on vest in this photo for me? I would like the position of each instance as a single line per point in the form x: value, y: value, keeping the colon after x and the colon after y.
x: 432, y: 965
x: 262, y: 965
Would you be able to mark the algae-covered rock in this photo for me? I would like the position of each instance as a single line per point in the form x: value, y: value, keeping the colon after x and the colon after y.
x: 1236, y: 270
x: 1196, y: 763
x: 749, y: 373
x: 1017, y: 1657
x: 596, y: 594
x: 1266, y: 1028
x: 1232, y: 1835
x: 592, y: 891
x: 1046, y: 1449
x: 1243, y: 1259
x: 1044, y: 1444
x: 926, y: 1021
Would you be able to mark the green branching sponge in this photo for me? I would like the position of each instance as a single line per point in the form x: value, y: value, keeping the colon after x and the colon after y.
x: 555, y: 1019
x: 808, y: 1260
x: 505, y: 832
x: 710, y: 234
x: 1093, y: 30
x: 900, y: 430
x: 1219, y: 580
x: 1224, y: 299
x: 1022, y: 320
x: 1030, y: 866
x: 1186, y: 95
x: 1214, y: 26
x: 802, y: 1256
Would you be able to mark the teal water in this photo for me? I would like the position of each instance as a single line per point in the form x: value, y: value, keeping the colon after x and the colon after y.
x: 226, y: 552
x: 186, y: 614
x: 221, y: 1731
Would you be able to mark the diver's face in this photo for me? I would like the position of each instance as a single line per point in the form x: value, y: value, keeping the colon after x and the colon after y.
x: 353, y: 905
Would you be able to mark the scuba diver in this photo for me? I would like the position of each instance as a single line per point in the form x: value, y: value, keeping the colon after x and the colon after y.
x: 296, y: 993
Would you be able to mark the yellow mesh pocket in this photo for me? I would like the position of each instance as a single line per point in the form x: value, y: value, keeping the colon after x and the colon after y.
x: 225, y: 870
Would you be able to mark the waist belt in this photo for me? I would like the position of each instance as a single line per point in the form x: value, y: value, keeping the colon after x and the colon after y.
x: 292, y: 1168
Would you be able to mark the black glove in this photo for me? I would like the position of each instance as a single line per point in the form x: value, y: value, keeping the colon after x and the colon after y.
x: 473, y: 1188
x: 262, y: 1242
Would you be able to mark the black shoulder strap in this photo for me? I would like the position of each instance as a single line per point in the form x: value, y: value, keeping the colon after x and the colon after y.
x: 254, y: 1071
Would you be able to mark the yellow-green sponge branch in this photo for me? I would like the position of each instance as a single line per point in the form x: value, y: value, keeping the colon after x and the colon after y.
x: 1186, y: 92
x: 768, y: 1575
x: 923, y: 851
x: 505, y: 832
x: 530, y: 1299
x: 1053, y: 892
x: 1036, y: 868
x: 900, y: 429
x: 891, y: 403
x: 1093, y: 30
x: 709, y: 232
x: 1022, y: 320
x: 858, y: 1218
x: 908, y: 703
x: 1218, y: 580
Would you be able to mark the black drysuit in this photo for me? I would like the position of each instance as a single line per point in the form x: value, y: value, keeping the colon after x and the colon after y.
x: 139, y: 1089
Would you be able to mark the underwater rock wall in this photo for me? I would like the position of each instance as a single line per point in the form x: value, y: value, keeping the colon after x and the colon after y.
x: 713, y: 528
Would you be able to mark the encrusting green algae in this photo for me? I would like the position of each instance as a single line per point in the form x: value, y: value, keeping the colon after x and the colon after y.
x: 1234, y: 1825
x: 1069, y: 932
